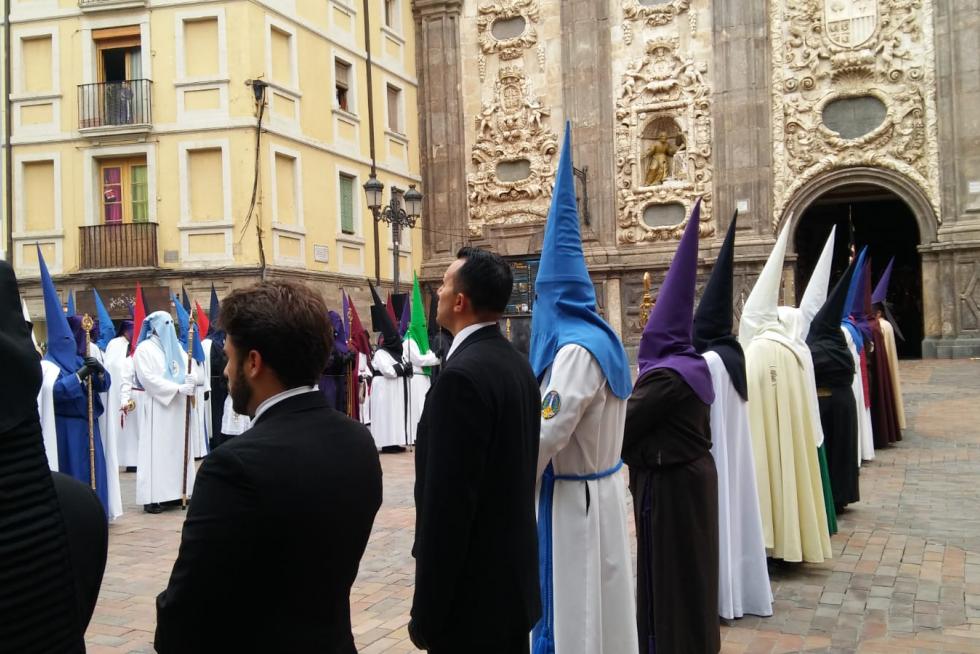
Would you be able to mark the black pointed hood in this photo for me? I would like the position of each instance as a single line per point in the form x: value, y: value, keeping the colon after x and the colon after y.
x: 391, y: 340
x: 833, y: 364
x: 714, y: 318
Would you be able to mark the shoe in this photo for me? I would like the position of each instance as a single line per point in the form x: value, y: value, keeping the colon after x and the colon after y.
x: 130, y: 468
x: 153, y: 508
x: 388, y: 449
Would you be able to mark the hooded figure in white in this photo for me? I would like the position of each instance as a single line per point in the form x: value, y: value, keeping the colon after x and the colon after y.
x: 161, y: 398
x: 784, y: 420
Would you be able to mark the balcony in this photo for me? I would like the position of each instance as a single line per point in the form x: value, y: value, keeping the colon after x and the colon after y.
x: 115, y: 107
x: 118, y: 245
x: 105, y: 5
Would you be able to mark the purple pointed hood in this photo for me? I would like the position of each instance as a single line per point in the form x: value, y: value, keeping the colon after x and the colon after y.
x: 667, y: 338
x: 881, y: 290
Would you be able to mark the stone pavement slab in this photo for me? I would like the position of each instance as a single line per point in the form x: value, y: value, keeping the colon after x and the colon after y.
x: 905, y: 576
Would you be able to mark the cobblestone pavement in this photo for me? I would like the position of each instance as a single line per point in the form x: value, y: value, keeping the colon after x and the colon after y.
x: 905, y: 576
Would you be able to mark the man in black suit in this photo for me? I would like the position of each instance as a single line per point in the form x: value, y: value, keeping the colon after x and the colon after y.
x: 281, y: 514
x: 476, y: 577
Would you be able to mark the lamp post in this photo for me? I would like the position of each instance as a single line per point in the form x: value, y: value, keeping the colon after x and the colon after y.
x: 393, y: 213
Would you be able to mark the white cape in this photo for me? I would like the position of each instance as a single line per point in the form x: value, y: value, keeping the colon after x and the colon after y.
x: 594, y: 593
x: 389, y: 421
x: 743, y: 582
x: 418, y: 385
x: 45, y: 409
x: 123, y: 429
x: 159, y: 476
x: 866, y: 442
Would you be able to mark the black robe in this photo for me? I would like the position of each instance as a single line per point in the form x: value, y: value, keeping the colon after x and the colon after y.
x: 219, y: 392
x: 667, y: 446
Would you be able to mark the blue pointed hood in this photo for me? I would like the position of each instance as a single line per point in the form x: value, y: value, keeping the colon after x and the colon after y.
x: 61, y: 341
x: 881, y: 290
x: 183, y: 324
x: 107, y: 330
x: 70, y: 305
x: 161, y: 324
x: 667, y: 340
x: 852, y: 296
x: 565, y: 305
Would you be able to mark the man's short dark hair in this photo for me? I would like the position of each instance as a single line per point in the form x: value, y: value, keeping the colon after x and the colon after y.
x: 286, y: 323
x: 485, y: 279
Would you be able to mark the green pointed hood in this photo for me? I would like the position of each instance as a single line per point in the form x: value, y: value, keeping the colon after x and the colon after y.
x: 418, y: 331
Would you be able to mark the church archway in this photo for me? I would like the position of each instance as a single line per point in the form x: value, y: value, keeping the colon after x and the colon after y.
x: 888, y: 215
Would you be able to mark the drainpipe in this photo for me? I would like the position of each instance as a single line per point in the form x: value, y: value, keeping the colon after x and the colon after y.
x: 8, y: 199
x: 370, y: 102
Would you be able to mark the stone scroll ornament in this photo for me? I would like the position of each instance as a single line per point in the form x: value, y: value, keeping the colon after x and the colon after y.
x: 512, y: 132
x: 662, y: 168
x: 875, y: 54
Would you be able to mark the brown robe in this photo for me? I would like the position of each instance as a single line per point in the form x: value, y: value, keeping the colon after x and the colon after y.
x: 667, y: 446
x: 884, y: 416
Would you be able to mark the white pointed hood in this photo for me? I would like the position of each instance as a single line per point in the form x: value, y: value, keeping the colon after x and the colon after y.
x: 816, y: 291
x: 27, y: 319
x: 760, y: 310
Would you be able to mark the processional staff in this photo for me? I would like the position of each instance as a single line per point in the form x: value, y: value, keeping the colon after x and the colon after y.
x: 187, y: 412
x: 87, y: 325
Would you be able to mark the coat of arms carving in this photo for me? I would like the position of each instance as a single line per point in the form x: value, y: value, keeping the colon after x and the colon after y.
x: 850, y: 23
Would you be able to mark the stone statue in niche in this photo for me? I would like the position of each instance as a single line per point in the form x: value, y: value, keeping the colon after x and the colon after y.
x: 661, y: 150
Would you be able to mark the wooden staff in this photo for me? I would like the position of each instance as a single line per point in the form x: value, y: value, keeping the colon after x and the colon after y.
x: 87, y: 324
x: 187, y: 413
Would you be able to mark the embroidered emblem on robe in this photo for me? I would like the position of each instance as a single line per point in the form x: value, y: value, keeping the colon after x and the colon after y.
x: 550, y: 405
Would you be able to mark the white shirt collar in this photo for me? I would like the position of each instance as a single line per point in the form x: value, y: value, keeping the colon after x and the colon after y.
x: 279, y: 397
x: 465, y: 333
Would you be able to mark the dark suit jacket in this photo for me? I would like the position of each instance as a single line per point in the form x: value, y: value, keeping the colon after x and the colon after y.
x: 476, y: 536
x: 273, y: 537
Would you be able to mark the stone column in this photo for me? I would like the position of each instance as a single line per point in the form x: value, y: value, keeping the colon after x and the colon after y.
x: 741, y: 114
x: 442, y: 148
x: 587, y: 97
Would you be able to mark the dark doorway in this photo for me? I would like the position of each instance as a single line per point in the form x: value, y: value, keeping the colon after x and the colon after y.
x: 884, y: 223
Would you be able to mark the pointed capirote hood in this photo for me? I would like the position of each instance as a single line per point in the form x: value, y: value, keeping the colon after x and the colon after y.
x: 418, y: 331
x: 161, y: 324
x: 713, y: 319
x: 391, y: 340
x: 107, y: 330
x: 667, y: 338
x: 880, y: 294
x: 406, y: 318
x: 339, y: 332
x: 70, y: 305
x: 832, y: 361
x: 214, y: 312
x: 816, y: 289
x: 139, y: 315
x: 356, y: 334
x: 761, y: 307
x: 433, y: 320
x: 61, y: 342
x: 565, y: 310
x: 848, y: 320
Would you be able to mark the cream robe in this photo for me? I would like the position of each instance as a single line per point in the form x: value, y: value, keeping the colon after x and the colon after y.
x: 784, y: 445
x: 595, y: 605
x: 866, y: 441
x: 126, y: 435
x: 45, y: 409
x: 743, y: 583
x: 888, y: 335
x: 364, y: 386
x: 389, y: 424
x: 159, y: 474
x: 419, y: 384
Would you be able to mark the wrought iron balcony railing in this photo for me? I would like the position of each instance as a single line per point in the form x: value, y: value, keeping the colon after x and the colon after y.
x: 114, y: 104
x: 118, y: 245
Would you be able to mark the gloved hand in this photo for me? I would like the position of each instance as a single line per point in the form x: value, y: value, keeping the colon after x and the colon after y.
x: 89, y: 368
x: 409, y: 370
x: 191, y: 378
x: 187, y: 388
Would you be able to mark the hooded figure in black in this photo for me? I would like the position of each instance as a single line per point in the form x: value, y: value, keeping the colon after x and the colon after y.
x: 743, y: 578
x: 389, y: 390
x: 833, y: 368
x: 53, y: 534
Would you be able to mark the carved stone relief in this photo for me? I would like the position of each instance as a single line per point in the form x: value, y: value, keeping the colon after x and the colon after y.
x: 827, y: 50
x: 512, y: 128
x: 654, y: 15
x: 494, y: 10
x: 663, y: 141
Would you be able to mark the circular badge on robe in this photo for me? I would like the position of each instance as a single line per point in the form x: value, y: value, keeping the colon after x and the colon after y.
x: 174, y: 368
x: 550, y: 405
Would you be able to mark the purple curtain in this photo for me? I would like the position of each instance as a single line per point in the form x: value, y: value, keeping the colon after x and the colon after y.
x: 112, y: 195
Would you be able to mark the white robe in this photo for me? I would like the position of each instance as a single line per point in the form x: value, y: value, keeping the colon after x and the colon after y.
x: 109, y: 445
x: 45, y: 409
x: 594, y: 601
x: 200, y: 429
x: 419, y: 384
x: 389, y: 421
x: 233, y: 424
x: 159, y: 476
x: 866, y: 442
x: 743, y: 582
x: 123, y: 429
x: 364, y: 375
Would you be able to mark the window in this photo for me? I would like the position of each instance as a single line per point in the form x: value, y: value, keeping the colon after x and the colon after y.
x: 342, y: 83
x: 394, y: 109
x: 286, y: 209
x: 282, y: 65
x: 391, y: 13
x: 201, y: 49
x: 204, y: 177
x: 124, y: 190
x: 346, y: 204
x: 37, y: 56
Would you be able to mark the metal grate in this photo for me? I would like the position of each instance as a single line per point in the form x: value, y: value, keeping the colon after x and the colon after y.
x: 111, y: 104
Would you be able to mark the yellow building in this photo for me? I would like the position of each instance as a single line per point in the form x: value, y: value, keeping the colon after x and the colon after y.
x: 137, y: 141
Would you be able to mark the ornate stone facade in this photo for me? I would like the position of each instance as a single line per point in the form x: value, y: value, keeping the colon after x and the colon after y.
x: 825, y: 51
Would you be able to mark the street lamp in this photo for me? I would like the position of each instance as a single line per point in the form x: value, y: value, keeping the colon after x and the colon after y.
x: 393, y: 213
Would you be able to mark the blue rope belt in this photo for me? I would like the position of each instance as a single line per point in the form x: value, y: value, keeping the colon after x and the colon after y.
x: 543, y: 635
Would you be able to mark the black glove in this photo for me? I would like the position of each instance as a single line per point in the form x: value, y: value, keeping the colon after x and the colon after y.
x: 90, y: 367
x: 409, y: 370
x: 399, y: 370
